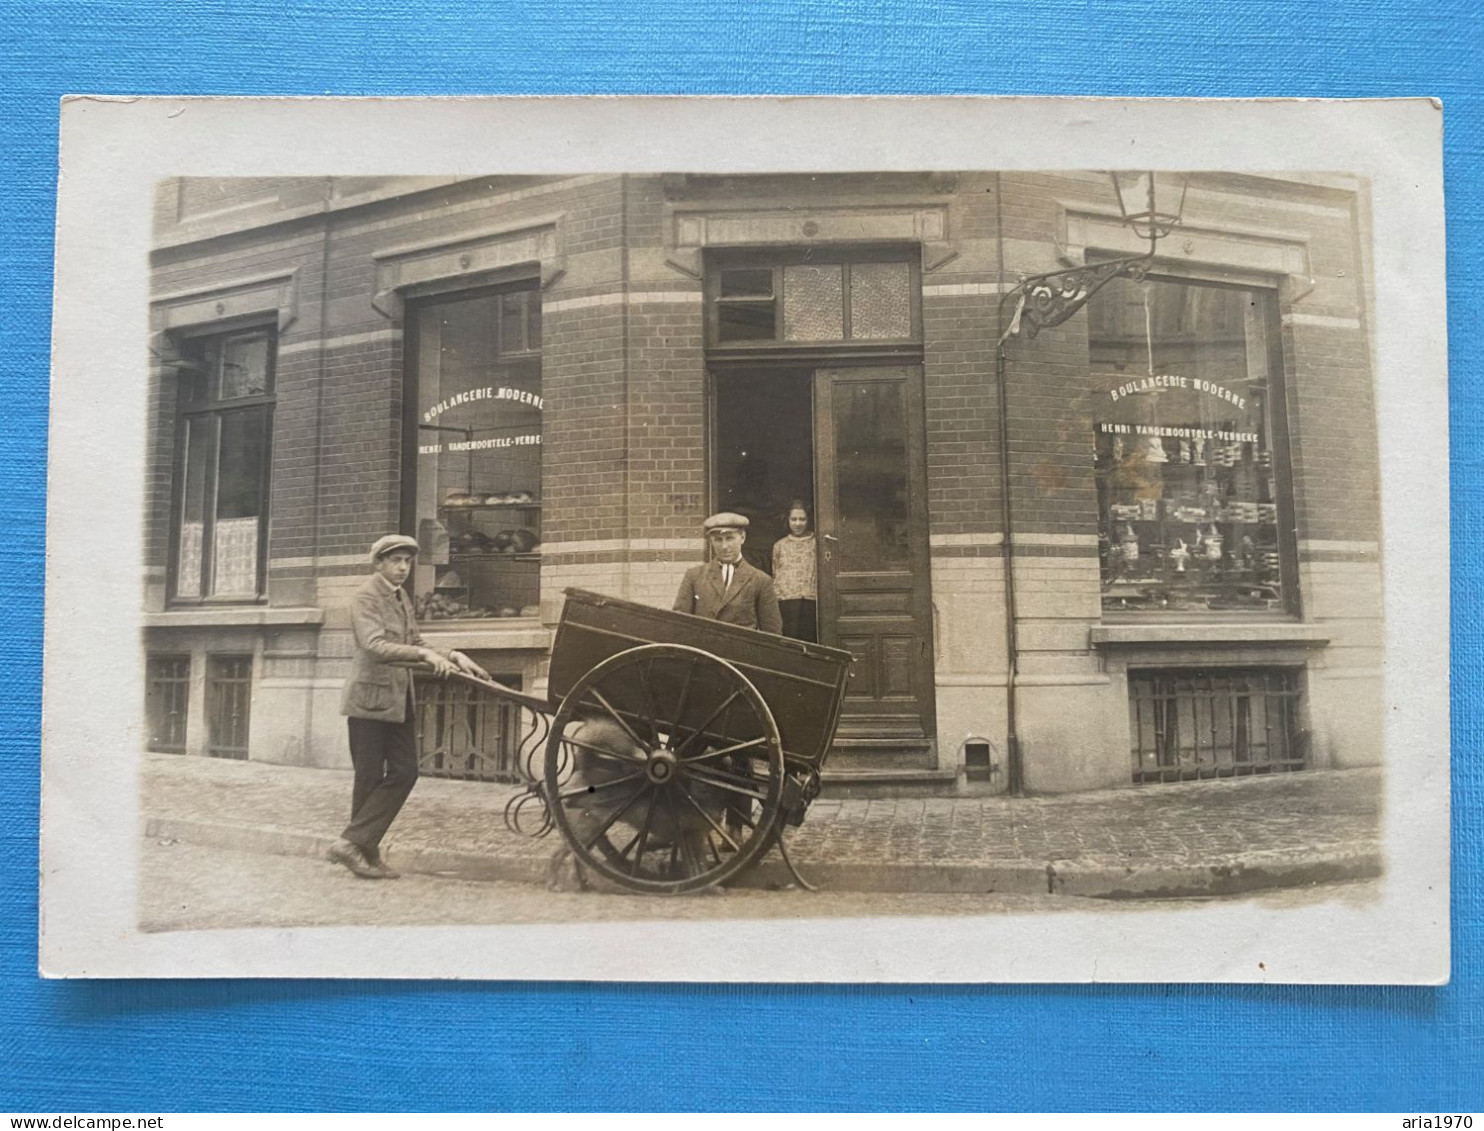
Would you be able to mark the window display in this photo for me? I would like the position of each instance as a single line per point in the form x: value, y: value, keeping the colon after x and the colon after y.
x: 478, y: 479
x: 1187, y: 471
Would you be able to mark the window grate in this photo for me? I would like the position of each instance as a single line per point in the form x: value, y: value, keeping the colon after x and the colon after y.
x: 167, y: 701
x: 467, y: 734
x: 228, y: 703
x: 1192, y: 723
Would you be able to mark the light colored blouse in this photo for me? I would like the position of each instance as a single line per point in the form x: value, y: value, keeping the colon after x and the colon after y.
x: 794, y: 568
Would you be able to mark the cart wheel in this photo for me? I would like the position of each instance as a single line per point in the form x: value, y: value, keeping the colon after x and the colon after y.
x: 664, y: 770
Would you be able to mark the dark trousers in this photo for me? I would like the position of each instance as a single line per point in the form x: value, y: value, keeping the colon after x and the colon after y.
x: 385, y: 759
x: 799, y: 620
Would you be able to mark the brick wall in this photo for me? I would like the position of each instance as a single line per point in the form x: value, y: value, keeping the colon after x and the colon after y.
x: 624, y: 377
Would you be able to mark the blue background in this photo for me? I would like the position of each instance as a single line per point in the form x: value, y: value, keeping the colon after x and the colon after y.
x: 302, y: 1045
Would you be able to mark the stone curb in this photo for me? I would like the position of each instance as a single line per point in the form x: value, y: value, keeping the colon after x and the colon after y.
x: 1098, y: 878
x: 275, y: 841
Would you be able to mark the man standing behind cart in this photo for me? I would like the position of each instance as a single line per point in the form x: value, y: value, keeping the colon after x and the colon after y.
x: 727, y: 588
x: 730, y: 590
x: 378, y: 699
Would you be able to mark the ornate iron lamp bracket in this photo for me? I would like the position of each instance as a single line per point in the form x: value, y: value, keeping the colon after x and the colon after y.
x: 1050, y: 299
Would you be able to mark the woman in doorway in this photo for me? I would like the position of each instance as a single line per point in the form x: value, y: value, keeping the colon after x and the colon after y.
x: 795, y: 575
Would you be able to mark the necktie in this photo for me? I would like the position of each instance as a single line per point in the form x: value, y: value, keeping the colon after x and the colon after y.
x: 726, y: 578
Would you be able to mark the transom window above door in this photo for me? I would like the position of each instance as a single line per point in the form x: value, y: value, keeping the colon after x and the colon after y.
x: 813, y: 298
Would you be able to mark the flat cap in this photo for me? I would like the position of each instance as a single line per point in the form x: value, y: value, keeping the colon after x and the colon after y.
x: 725, y: 520
x: 390, y: 542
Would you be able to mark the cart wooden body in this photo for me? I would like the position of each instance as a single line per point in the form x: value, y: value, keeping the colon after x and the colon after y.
x: 679, y: 747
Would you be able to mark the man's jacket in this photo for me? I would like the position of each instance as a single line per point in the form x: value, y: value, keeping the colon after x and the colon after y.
x: 385, y: 632
x: 750, y: 601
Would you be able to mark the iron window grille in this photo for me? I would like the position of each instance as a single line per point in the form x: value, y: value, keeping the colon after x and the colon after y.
x: 228, y: 705
x: 1191, y: 723
x: 467, y: 734
x: 167, y: 701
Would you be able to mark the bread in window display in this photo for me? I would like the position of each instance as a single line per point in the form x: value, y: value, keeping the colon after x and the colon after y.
x: 471, y: 542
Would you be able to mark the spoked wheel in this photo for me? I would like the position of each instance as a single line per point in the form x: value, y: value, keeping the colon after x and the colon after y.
x: 664, y: 770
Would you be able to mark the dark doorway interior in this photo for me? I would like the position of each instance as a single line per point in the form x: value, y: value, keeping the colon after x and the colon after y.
x: 764, y: 451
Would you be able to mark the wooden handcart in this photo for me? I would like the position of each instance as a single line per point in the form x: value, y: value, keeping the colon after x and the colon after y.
x: 671, y: 750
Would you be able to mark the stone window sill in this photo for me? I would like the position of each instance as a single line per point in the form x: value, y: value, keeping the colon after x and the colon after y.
x: 229, y: 616
x: 1132, y: 635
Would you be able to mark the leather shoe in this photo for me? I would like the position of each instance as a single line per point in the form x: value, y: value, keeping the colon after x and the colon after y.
x: 343, y: 852
x: 387, y: 872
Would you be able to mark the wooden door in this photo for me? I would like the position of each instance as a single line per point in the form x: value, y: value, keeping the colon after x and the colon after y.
x: 874, y: 597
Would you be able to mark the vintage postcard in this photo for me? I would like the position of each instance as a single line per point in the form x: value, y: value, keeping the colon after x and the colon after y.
x: 877, y: 539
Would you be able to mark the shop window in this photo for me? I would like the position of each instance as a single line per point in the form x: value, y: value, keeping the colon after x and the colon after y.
x: 167, y: 696
x: 1187, y: 724
x: 226, y: 428
x: 1188, y: 459
x: 476, y: 487
x: 228, y: 705
x: 813, y: 299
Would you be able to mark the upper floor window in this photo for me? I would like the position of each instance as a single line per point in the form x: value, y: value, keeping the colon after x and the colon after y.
x: 812, y: 298
x: 476, y: 491
x: 1188, y: 422
x: 221, y: 482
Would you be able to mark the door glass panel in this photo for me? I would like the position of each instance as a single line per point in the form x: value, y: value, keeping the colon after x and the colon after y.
x: 741, y: 282
x: 746, y: 321
x: 871, y: 475
x: 813, y: 304
x: 880, y: 302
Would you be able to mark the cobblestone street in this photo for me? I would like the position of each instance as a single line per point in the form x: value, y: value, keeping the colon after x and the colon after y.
x: 1216, y: 837
x: 182, y: 889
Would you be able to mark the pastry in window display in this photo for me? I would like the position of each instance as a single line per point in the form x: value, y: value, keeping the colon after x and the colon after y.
x: 1179, y: 555
x: 1211, y: 544
x: 1128, y: 545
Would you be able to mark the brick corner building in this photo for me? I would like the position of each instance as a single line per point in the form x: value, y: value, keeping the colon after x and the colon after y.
x: 549, y: 381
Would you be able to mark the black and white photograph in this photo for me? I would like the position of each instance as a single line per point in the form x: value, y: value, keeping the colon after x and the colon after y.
x: 749, y: 540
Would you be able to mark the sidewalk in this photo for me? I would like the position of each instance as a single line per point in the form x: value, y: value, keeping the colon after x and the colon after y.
x: 1202, y: 838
